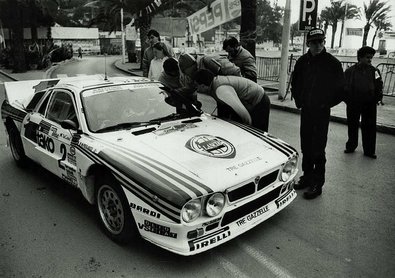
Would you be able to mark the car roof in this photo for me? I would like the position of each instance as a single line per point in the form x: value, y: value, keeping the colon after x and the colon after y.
x: 80, y: 83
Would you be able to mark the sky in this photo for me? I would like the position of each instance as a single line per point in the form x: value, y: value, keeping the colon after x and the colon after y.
x: 295, y: 7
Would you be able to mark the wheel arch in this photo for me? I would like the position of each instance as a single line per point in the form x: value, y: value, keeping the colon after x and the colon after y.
x: 93, y: 173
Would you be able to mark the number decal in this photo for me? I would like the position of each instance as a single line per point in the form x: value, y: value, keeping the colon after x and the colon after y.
x: 63, y: 151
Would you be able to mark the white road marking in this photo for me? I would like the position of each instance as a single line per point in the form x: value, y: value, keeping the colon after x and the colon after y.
x: 81, y: 74
x: 266, y: 261
x: 230, y: 268
x: 61, y: 75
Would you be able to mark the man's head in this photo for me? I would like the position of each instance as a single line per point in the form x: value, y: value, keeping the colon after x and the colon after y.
x: 231, y: 45
x: 188, y: 64
x: 153, y: 37
x: 203, y: 79
x: 316, y: 41
x: 170, y: 67
x: 365, y: 55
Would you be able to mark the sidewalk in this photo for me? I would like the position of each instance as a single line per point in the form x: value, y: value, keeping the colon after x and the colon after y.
x: 385, y: 113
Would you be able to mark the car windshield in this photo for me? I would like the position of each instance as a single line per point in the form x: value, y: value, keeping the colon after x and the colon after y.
x: 127, y: 106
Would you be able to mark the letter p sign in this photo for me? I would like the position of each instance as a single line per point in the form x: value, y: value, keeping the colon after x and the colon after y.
x: 308, y: 14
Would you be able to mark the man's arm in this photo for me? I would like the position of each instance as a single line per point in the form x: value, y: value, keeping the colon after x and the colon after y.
x: 249, y: 69
x: 378, y: 85
x: 228, y: 95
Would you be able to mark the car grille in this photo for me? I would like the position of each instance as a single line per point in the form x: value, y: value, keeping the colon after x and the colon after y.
x: 239, y: 212
x: 250, y: 188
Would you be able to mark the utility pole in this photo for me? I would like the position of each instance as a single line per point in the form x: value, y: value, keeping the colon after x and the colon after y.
x: 284, y: 50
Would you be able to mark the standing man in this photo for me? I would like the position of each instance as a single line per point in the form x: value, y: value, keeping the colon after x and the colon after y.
x: 245, y: 99
x: 241, y: 57
x: 364, y: 89
x: 317, y: 85
x: 152, y: 37
x: 79, y: 52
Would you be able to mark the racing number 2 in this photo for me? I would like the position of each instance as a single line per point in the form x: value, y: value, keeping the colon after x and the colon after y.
x: 63, y: 151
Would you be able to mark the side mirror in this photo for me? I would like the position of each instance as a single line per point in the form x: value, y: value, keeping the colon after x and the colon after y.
x: 69, y: 124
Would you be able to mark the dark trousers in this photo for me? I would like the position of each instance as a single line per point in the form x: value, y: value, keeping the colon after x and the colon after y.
x: 313, y: 136
x: 367, y: 112
x: 259, y: 115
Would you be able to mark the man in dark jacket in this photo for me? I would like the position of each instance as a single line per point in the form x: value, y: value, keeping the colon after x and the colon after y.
x: 317, y: 85
x: 241, y: 57
x: 364, y: 89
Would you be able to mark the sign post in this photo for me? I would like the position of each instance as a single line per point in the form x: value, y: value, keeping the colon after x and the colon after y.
x: 308, y: 15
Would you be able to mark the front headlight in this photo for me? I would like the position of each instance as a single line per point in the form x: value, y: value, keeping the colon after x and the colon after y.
x: 289, y: 168
x: 191, y: 210
x: 215, y: 204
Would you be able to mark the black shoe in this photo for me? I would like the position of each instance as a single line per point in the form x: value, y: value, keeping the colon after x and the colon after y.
x: 348, y: 151
x: 371, y: 155
x: 301, y: 183
x: 313, y: 192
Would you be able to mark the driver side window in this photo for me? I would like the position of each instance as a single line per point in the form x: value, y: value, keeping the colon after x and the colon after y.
x: 61, y: 108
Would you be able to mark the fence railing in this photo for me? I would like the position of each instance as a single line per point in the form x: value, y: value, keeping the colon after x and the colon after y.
x: 269, y: 69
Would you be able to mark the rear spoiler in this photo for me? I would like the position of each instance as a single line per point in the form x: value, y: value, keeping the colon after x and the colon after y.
x: 19, y: 93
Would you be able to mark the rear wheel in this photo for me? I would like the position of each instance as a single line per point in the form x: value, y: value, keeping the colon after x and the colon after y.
x: 113, y: 211
x: 17, y: 151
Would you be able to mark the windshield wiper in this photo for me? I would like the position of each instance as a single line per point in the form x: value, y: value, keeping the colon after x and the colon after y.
x: 172, y: 116
x: 127, y: 125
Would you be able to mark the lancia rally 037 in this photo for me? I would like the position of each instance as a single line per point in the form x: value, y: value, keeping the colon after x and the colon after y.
x: 151, y: 162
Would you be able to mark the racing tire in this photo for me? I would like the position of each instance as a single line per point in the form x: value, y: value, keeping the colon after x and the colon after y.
x: 113, y: 211
x: 16, y: 146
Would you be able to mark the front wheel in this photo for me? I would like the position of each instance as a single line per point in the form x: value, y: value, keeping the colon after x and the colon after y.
x: 114, y: 212
x: 17, y: 151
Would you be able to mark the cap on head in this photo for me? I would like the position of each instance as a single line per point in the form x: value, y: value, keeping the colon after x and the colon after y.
x: 170, y: 65
x: 186, y: 61
x: 315, y: 34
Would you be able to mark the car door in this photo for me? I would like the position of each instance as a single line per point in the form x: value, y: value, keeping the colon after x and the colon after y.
x: 57, y: 139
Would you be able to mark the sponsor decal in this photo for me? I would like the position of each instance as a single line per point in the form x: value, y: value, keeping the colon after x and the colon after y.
x: 157, y: 229
x: 210, y: 239
x: 284, y: 199
x: 212, y: 146
x: 45, y: 142
x: 69, y: 175
x: 211, y: 222
x: 252, y: 216
x: 88, y: 147
x: 145, y: 210
x: 174, y: 128
x: 243, y: 164
x: 71, y: 158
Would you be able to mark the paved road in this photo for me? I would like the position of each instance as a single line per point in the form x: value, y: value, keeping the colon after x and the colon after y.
x: 48, y: 230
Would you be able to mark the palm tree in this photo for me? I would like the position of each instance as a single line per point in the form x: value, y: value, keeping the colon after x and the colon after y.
x: 349, y: 11
x: 382, y: 23
x: 325, y: 19
x: 374, y: 10
x: 333, y: 14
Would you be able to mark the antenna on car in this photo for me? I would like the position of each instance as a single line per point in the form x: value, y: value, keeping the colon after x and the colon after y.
x: 105, y: 67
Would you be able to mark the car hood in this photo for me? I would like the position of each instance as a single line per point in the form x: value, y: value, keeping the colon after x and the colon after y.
x: 209, y: 155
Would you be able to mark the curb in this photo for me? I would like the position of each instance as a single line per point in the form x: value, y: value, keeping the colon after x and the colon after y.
x: 8, y: 76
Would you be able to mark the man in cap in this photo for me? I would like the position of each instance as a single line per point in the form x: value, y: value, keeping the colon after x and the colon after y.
x: 241, y: 57
x: 317, y: 85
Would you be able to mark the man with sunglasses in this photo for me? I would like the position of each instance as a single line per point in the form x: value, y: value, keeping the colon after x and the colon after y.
x: 317, y: 85
x: 153, y: 37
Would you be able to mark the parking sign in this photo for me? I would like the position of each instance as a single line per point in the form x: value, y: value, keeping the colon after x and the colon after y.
x: 308, y: 14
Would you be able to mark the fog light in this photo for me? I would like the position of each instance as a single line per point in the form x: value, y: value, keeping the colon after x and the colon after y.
x: 195, y: 233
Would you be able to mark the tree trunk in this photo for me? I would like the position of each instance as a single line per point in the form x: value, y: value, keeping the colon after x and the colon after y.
x: 341, y: 34
x: 334, y: 28
x: 248, y: 25
x: 365, y: 34
x: 17, y: 42
x: 374, y: 36
x: 144, y: 25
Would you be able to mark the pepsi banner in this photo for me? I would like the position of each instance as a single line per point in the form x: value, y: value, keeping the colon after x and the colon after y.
x: 217, y: 13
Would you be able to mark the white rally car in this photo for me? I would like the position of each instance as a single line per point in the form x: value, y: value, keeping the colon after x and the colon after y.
x: 150, y: 162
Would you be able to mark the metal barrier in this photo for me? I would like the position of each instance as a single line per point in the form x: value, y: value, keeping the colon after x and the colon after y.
x: 387, y: 74
x: 269, y: 69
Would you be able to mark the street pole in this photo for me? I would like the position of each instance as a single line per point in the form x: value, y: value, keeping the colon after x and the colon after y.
x: 122, y: 38
x: 284, y: 51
